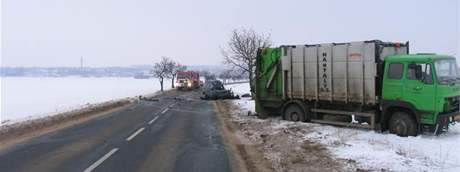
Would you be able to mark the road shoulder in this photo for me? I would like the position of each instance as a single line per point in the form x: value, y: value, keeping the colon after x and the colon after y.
x: 276, y: 147
x: 243, y: 157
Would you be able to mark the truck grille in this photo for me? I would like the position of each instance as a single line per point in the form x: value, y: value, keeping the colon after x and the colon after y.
x: 453, y: 104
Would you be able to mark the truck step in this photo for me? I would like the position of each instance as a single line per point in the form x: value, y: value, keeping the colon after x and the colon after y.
x: 342, y: 112
x: 346, y: 124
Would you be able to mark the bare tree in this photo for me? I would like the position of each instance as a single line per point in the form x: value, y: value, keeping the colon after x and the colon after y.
x: 175, y: 67
x: 169, y: 69
x: 241, y: 51
x: 162, y: 69
x: 237, y: 75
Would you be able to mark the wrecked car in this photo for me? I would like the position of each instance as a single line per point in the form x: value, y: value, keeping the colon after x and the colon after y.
x: 214, y: 89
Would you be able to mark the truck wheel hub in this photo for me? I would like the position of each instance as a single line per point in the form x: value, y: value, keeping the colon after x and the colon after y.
x: 401, y: 127
x: 295, y: 116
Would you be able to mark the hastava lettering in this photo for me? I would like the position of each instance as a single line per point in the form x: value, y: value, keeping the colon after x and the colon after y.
x: 324, y: 87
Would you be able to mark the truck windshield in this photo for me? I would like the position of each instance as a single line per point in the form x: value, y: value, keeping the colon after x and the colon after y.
x: 183, y: 75
x: 446, y: 71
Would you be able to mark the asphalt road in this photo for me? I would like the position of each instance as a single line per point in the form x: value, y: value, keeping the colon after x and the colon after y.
x: 166, y: 135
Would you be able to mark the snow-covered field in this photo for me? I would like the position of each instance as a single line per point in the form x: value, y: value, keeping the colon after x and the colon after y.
x: 26, y: 97
x: 369, y: 149
x: 239, y: 88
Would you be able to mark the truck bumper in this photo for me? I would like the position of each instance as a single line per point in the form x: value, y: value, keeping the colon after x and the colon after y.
x: 444, y: 120
x: 457, y: 118
x: 185, y: 87
x: 450, y: 117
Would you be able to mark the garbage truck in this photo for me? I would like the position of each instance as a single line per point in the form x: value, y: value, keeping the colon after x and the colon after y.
x: 369, y: 84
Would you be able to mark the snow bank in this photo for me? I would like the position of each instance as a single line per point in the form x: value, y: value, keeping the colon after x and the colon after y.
x: 25, y: 98
x: 374, y: 150
x: 239, y: 89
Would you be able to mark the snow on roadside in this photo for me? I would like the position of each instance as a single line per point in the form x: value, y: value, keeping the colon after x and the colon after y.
x: 239, y: 89
x: 369, y: 149
x: 76, y: 108
x: 282, y: 142
x: 376, y: 150
x: 28, y: 98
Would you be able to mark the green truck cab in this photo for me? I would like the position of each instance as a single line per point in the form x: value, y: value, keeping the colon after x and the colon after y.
x: 369, y: 84
x: 426, y: 84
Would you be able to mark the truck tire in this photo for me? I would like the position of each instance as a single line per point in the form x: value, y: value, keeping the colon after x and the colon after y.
x: 293, y: 112
x: 263, y: 114
x: 261, y: 111
x: 402, y: 124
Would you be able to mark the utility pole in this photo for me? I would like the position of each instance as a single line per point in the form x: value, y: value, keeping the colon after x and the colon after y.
x: 81, y: 63
x: 82, y: 70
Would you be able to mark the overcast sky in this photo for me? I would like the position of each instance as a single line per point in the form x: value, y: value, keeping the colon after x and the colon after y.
x: 133, y: 32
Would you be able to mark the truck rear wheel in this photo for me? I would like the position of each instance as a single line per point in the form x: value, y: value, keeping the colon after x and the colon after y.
x: 263, y: 114
x: 402, y: 124
x: 294, y: 113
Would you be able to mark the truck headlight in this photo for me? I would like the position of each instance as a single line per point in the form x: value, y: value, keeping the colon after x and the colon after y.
x: 189, y: 84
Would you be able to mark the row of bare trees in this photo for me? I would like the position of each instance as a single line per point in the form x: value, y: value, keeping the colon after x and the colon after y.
x: 240, y: 53
x: 166, y: 68
x: 232, y: 74
x: 241, y: 50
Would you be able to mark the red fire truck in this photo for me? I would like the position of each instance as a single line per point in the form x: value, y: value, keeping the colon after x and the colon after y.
x: 187, y: 80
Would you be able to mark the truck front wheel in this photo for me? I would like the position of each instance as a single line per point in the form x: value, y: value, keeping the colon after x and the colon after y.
x: 402, y: 124
x: 294, y: 113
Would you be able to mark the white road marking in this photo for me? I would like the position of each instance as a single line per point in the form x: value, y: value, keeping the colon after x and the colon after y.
x: 135, y: 134
x: 102, y: 159
x: 164, y: 111
x: 153, y: 120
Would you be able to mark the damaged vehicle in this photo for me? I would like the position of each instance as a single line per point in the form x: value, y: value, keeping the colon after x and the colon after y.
x: 214, y: 89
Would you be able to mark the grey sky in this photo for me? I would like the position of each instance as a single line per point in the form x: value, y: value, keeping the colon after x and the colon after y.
x: 130, y: 32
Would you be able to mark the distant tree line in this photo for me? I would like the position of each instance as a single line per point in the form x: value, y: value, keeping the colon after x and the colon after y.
x: 166, y: 68
x: 73, y: 71
x: 207, y: 75
x: 233, y: 74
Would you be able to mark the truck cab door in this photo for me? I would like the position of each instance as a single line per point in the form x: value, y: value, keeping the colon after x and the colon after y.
x: 393, y: 82
x: 419, y: 88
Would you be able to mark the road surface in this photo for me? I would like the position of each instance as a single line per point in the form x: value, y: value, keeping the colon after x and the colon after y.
x: 177, y: 133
